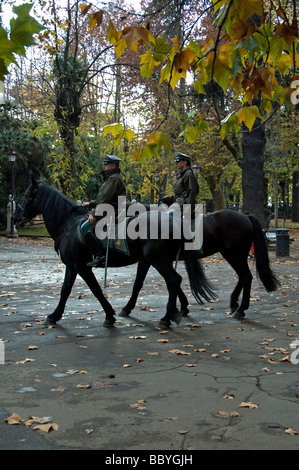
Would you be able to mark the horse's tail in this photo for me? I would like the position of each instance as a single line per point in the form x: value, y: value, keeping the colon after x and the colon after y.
x: 200, y: 286
x: 264, y: 271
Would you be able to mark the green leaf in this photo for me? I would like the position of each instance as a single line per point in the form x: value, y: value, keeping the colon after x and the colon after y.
x: 222, y: 74
x: 160, y: 49
x: 23, y: 28
x: 193, y: 133
x: 228, y: 125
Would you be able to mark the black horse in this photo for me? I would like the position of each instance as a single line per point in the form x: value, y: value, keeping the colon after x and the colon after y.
x: 62, y: 216
x: 231, y: 233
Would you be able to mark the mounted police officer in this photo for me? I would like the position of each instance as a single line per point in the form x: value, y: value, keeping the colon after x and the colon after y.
x: 186, y: 186
x: 112, y: 187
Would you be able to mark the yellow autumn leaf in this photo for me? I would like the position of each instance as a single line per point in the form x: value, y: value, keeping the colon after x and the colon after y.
x: 95, y: 19
x: 46, y: 427
x: 248, y: 404
x: 136, y: 34
x: 176, y: 42
x: 284, y: 64
x: 84, y: 8
x: 113, y: 129
x: 247, y: 8
x: 13, y: 419
x: 248, y: 115
x: 183, y: 59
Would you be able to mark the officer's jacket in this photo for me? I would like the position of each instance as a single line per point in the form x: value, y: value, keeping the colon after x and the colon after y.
x: 186, y: 188
x: 112, y: 188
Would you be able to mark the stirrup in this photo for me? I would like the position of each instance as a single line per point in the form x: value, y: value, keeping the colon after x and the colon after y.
x: 99, y: 260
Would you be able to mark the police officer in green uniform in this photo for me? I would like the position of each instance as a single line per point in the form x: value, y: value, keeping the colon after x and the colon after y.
x: 112, y: 187
x: 186, y: 186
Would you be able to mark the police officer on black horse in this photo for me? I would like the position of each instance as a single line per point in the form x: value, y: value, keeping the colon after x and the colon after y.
x: 112, y: 187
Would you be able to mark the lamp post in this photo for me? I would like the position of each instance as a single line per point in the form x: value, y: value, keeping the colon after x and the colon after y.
x: 196, y: 169
x: 12, y: 158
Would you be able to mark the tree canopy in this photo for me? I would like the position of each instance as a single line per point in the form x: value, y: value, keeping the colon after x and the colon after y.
x: 207, y: 77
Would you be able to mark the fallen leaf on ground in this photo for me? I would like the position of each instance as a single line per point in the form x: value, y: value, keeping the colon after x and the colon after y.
x: 248, y: 404
x: 14, y: 419
x: 46, y: 427
x: 25, y: 360
x: 228, y: 414
x: 179, y: 352
x: 33, y: 419
x: 137, y: 337
x: 290, y: 431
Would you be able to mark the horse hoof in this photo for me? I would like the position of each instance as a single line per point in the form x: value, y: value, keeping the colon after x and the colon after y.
x: 177, y: 317
x: 50, y: 320
x: 164, y: 324
x: 109, y: 323
x: 239, y: 315
x: 184, y: 311
x: 124, y: 313
x: 234, y: 307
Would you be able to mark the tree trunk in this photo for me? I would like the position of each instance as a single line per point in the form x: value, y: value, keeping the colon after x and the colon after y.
x: 295, y: 197
x: 252, y: 165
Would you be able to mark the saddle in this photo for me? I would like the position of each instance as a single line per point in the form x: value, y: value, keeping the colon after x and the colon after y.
x: 118, y: 243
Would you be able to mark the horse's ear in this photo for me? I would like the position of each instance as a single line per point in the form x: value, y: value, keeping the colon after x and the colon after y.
x: 34, y: 182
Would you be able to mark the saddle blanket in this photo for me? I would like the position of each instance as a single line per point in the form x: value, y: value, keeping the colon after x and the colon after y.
x: 118, y: 243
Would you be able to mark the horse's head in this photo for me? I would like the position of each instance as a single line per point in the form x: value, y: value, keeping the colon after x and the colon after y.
x: 27, y: 209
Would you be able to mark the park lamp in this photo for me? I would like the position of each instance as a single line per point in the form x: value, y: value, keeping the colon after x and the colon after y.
x: 196, y: 168
x: 11, y: 154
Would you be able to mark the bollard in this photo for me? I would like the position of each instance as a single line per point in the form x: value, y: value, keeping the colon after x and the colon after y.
x: 11, y: 231
x: 282, y: 242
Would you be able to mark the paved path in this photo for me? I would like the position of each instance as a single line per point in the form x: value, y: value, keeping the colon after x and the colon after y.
x: 133, y: 386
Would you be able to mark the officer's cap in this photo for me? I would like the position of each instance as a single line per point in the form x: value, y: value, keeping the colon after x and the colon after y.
x: 111, y: 159
x: 182, y: 156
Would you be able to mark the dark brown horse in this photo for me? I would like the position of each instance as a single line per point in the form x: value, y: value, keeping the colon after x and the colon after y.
x: 230, y: 233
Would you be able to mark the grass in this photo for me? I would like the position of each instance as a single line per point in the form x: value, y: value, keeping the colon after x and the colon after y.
x: 36, y: 230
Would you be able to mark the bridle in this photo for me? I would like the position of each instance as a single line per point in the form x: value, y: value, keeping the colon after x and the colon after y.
x: 33, y: 194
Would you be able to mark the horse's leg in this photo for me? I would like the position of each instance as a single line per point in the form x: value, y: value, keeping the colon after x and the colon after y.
x: 142, y: 270
x: 246, y: 282
x: 87, y: 275
x: 184, y: 303
x: 69, y: 279
x: 234, y: 299
x: 173, y: 281
x: 240, y: 265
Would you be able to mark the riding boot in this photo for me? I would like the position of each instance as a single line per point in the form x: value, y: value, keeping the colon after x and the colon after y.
x: 94, y: 243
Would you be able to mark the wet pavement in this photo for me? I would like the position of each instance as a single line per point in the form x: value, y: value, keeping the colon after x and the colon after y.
x: 209, y: 383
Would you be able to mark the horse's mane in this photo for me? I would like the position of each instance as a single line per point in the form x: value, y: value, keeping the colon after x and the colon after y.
x: 57, y: 204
